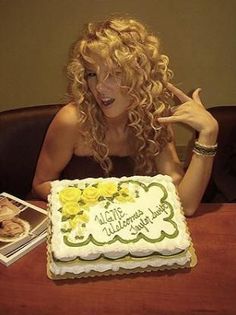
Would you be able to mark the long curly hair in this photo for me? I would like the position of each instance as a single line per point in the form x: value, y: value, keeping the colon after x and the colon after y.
x: 126, y: 44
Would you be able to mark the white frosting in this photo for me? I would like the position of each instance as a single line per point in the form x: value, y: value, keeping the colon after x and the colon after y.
x: 154, y: 211
x: 102, y: 266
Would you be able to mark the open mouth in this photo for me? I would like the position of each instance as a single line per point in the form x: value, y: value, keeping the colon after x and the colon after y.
x: 107, y: 101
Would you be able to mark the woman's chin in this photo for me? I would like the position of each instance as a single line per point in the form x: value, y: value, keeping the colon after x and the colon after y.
x: 115, y: 115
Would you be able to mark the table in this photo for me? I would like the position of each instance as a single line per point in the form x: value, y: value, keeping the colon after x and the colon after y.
x: 210, y: 287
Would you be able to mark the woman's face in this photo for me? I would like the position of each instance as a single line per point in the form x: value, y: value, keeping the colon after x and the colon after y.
x: 106, y: 89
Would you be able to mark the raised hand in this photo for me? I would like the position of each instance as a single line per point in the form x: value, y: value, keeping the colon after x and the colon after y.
x: 191, y: 112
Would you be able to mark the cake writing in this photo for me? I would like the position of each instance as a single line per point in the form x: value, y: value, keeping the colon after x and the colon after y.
x: 124, y: 223
x: 115, y: 220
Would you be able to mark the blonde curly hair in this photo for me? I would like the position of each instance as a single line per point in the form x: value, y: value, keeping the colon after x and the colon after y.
x: 124, y: 43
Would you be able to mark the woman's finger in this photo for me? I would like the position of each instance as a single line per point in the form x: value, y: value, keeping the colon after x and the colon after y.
x: 178, y: 93
x: 169, y: 119
x: 196, y: 96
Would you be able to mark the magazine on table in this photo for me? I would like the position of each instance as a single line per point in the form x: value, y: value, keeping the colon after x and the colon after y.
x: 23, y: 226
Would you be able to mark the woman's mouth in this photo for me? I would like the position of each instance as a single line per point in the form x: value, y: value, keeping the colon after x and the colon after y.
x: 106, y: 101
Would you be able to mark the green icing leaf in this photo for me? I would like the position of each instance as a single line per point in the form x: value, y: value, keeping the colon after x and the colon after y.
x: 107, y: 205
x: 66, y: 230
x: 79, y: 237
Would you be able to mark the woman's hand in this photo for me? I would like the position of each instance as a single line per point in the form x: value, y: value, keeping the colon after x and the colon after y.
x: 191, y: 112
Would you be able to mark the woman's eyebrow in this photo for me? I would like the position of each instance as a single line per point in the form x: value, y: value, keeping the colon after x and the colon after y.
x: 89, y: 69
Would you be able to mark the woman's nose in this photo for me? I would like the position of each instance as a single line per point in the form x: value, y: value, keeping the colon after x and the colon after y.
x: 100, y: 86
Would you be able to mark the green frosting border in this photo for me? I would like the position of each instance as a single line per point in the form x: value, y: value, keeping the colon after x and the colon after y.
x: 128, y: 256
x: 140, y: 236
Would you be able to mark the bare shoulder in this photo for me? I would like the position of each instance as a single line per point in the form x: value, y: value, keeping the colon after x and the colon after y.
x: 66, y: 121
x: 67, y: 115
x: 64, y: 128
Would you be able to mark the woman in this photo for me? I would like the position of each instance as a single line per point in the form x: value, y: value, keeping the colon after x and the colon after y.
x: 120, y: 95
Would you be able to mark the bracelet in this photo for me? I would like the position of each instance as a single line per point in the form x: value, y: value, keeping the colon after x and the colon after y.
x: 205, y: 150
x: 206, y: 146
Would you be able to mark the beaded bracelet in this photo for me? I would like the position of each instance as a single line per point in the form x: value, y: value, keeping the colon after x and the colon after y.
x: 205, y: 150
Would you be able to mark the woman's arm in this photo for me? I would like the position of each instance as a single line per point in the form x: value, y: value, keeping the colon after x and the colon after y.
x: 57, y: 150
x: 192, y: 184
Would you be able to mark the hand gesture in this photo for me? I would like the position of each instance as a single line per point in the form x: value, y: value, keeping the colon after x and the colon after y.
x: 191, y: 112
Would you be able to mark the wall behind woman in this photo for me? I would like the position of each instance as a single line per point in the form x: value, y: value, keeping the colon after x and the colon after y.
x: 35, y: 36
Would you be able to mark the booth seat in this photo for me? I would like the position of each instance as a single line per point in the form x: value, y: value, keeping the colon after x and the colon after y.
x: 222, y: 185
x: 22, y: 132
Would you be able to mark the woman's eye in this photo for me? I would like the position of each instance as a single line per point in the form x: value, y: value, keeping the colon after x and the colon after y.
x: 118, y: 73
x: 90, y: 74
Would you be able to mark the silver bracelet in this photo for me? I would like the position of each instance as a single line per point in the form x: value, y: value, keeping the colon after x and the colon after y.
x: 204, y: 149
x: 206, y: 146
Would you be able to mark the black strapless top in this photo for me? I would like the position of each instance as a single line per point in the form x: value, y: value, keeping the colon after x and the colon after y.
x: 81, y: 167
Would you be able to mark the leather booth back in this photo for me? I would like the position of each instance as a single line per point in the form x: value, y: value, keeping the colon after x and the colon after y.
x: 22, y: 132
x: 222, y: 185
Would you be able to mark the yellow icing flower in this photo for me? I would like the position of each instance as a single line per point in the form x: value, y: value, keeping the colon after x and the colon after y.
x: 84, y: 217
x: 107, y: 189
x: 74, y: 222
x: 80, y: 218
x: 90, y: 194
x: 70, y: 194
x: 124, y: 195
x: 70, y: 208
